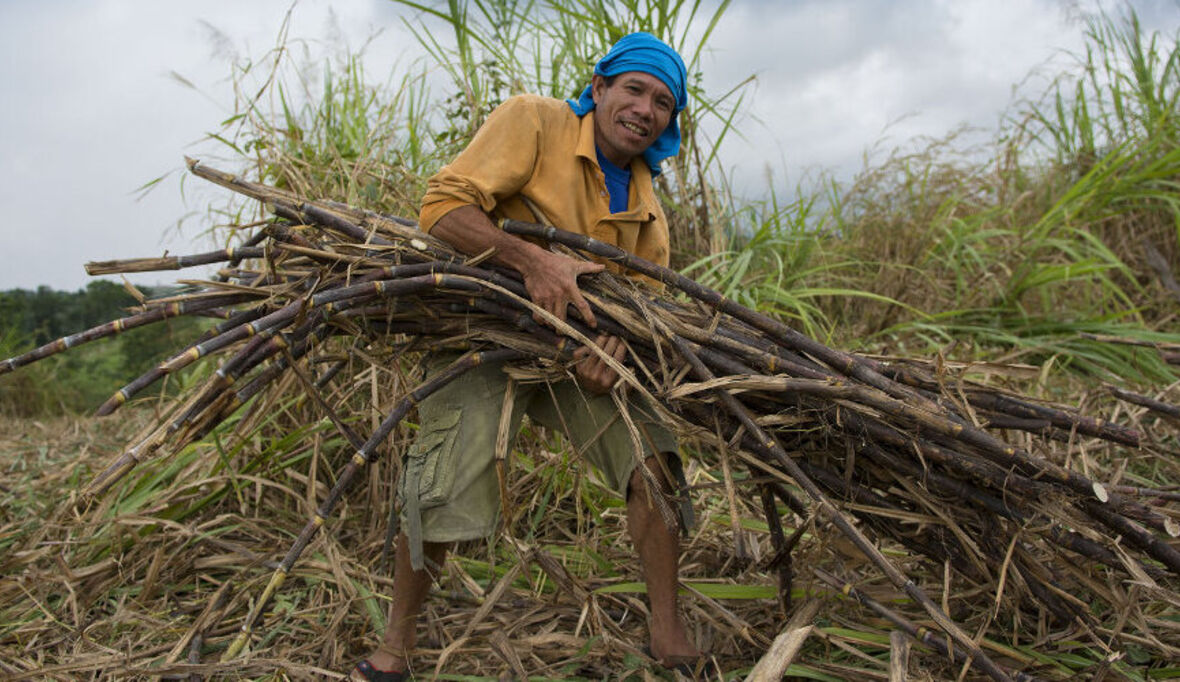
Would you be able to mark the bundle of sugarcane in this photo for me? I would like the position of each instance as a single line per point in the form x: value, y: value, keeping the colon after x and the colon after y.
x: 974, y: 478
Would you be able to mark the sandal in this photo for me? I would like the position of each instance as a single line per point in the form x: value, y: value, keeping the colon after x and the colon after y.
x: 370, y: 674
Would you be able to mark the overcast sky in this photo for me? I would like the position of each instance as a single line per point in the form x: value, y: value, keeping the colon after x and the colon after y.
x: 90, y: 109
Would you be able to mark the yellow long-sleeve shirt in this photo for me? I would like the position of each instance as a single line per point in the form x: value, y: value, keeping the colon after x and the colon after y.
x: 536, y: 147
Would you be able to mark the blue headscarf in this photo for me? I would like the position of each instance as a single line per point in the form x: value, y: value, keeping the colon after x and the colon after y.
x: 647, y: 53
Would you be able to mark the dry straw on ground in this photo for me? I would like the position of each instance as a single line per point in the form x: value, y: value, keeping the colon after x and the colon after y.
x: 1009, y: 537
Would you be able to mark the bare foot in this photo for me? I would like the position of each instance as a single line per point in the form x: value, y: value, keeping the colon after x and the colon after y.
x: 673, y: 647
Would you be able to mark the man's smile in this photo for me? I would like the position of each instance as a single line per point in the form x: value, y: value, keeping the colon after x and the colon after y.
x: 635, y: 128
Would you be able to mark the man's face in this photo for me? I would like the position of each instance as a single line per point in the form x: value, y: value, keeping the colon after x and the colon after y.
x: 630, y: 114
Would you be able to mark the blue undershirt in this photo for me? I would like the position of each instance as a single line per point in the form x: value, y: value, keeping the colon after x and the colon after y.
x: 618, y: 182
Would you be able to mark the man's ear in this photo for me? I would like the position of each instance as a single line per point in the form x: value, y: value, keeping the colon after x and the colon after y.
x: 597, y: 87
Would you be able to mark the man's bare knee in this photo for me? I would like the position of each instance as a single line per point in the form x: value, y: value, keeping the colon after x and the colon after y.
x: 638, y: 482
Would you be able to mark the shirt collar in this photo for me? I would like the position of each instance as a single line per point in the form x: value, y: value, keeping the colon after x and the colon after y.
x: 585, y: 147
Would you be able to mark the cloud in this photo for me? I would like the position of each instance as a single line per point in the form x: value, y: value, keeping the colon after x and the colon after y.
x: 838, y: 78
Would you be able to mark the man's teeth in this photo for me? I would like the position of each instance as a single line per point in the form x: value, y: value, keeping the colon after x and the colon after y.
x: 634, y: 128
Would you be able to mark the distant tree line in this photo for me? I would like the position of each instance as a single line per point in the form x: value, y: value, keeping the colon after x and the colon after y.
x: 81, y: 379
x: 45, y: 314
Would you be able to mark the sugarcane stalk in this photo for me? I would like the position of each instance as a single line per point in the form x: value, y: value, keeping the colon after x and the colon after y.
x: 254, y: 240
x: 119, y: 326
x: 110, y: 267
x: 1134, y: 534
x: 777, y: 359
x: 127, y: 460
x: 1145, y: 401
x: 216, y: 313
x: 1018, y: 408
x: 1136, y: 491
x: 259, y: 350
x: 203, y: 412
x: 835, y: 390
x: 309, y: 388
x: 1006, y: 481
x: 1032, y: 418
x: 1089, y: 426
x: 204, y: 423
x: 1003, y: 479
x: 1065, y: 611
x: 781, y: 561
x: 282, y: 200
x: 197, y: 351
x: 842, y: 362
x: 236, y: 319
x: 961, y: 490
x: 864, y: 496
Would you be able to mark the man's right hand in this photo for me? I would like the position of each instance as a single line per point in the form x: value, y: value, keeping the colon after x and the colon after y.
x: 550, y: 278
x: 552, y: 282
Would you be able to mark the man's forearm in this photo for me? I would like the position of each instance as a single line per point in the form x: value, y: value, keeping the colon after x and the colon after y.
x: 550, y: 278
x: 471, y: 231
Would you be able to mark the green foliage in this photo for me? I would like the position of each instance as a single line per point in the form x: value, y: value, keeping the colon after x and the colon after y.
x: 26, y: 393
x: 321, y: 129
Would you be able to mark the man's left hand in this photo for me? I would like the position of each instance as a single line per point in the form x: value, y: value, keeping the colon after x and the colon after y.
x: 592, y: 371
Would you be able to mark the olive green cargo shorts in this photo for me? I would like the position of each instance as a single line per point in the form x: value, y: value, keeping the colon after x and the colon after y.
x: 449, y: 489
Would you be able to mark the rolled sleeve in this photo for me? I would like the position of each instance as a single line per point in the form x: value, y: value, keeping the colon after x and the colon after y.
x: 496, y: 165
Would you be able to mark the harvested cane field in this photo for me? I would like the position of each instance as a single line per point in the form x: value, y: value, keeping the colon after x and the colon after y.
x: 942, y: 445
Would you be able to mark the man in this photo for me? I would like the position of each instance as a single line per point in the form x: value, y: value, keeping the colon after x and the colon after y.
x: 585, y: 166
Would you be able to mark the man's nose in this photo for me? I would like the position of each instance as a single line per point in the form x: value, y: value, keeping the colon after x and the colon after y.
x: 645, y: 107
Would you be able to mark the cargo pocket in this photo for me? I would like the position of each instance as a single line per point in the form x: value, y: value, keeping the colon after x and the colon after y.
x: 430, y: 465
x: 429, y: 475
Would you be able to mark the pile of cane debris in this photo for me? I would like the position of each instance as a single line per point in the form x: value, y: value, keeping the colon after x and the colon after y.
x: 984, y: 485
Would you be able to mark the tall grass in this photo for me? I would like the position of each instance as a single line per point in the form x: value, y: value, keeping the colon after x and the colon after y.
x: 1054, y: 234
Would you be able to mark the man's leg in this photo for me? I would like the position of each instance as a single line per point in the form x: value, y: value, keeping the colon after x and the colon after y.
x: 410, y: 588
x: 598, y: 432
x: 658, y: 546
x: 449, y: 482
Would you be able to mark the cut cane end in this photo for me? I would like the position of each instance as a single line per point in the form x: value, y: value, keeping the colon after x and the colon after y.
x: 1172, y: 528
x: 1100, y: 492
x: 108, y: 407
